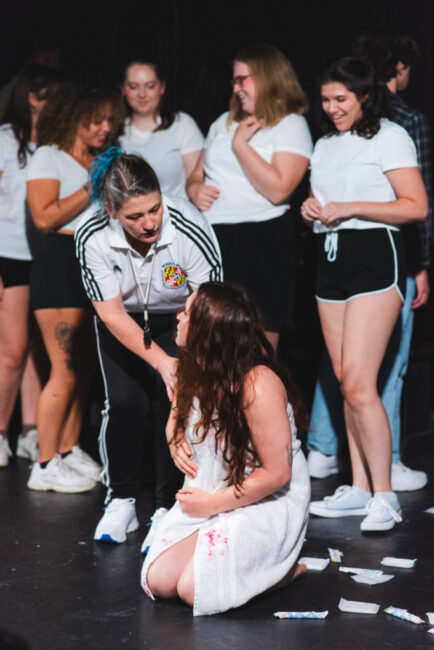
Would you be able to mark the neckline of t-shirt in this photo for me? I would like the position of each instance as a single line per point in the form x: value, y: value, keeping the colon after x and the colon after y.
x: 147, y: 132
x: 74, y: 159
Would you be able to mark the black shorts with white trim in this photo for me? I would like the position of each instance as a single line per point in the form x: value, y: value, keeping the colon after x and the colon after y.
x: 354, y: 263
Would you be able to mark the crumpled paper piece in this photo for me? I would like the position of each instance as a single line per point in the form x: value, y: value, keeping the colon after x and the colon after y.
x: 314, y: 563
x: 372, y: 580
x: 401, y: 562
x: 359, y: 607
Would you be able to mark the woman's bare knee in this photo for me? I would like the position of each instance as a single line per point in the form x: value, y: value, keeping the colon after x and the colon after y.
x: 161, y: 582
x: 185, y: 587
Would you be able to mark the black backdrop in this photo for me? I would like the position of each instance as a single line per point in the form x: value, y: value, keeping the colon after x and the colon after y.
x: 196, y: 41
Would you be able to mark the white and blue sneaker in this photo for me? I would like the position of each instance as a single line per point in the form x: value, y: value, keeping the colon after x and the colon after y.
x: 156, y: 519
x: 384, y: 512
x: 119, y: 519
x: 347, y: 500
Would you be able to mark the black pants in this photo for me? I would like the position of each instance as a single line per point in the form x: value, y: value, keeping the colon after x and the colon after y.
x: 135, y: 415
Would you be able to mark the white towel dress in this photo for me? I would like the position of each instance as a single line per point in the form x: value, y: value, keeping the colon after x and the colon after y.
x: 240, y: 553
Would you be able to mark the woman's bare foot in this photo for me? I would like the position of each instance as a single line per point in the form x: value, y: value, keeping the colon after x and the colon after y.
x: 296, y: 571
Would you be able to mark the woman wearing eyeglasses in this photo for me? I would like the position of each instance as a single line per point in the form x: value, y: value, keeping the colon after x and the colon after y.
x: 170, y: 142
x: 255, y: 156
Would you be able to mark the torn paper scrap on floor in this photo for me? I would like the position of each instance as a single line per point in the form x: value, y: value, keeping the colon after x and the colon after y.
x: 301, y: 614
x: 430, y: 511
x: 430, y: 617
x: 358, y: 607
x: 314, y: 563
x: 431, y: 630
x: 372, y: 573
x: 335, y: 554
x: 404, y: 614
x: 372, y: 580
x: 401, y: 562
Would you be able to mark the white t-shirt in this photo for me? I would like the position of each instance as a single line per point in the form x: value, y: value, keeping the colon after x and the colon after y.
x: 186, y: 254
x: 239, y: 202
x: 13, y: 240
x: 163, y: 150
x: 347, y: 167
x: 52, y: 162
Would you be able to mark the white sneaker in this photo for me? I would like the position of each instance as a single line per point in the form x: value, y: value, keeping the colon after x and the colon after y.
x: 82, y: 463
x: 5, y: 452
x: 58, y: 477
x: 119, y: 519
x: 27, y: 446
x: 405, y: 479
x: 348, y: 500
x: 156, y: 519
x: 320, y: 465
x: 383, y: 513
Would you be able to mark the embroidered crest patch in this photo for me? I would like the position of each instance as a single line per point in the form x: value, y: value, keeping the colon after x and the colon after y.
x: 173, y: 276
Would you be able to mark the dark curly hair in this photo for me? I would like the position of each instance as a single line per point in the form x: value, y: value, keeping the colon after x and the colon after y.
x: 165, y: 111
x: 225, y: 341
x: 358, y: 76
x: 32, y: 78
x: 72, y: 105
x: 385, y: 51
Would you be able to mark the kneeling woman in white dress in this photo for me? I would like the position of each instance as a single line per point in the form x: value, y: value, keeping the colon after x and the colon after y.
x: 239, y: 522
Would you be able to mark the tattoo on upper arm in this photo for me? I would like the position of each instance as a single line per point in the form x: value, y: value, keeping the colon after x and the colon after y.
x: 58, y: 204
x: 289, y: 455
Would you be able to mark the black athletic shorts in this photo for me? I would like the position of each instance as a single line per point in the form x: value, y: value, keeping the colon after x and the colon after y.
x: 55, y: 281
x: 353, y: 263
x: 261, y: 256
x: 15, y: 273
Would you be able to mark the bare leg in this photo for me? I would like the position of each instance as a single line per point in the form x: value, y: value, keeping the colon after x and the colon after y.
x: 14, y: 309
x: 165, y: 572
x: 296, y: 571
x: 369, y: 321
x: 87, y: 353
x: 62, y: 331
x: 30, y: 391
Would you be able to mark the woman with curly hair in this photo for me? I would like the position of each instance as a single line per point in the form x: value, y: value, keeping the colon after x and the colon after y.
x: 365, y: 183
x: 169, y: 141
x: 74, y: 125
x: 255, y: 156
x: 18, y: 136
x: 239, y: 522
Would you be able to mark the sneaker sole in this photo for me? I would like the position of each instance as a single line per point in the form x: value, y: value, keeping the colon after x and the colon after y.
x: 413, y: 488
x: 43, y: 487
x: 105, y: 537
x: 377, y: 526
x: 327, y: 512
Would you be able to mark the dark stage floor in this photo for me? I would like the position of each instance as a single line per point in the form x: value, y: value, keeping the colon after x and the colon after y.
x: 62, y: 591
